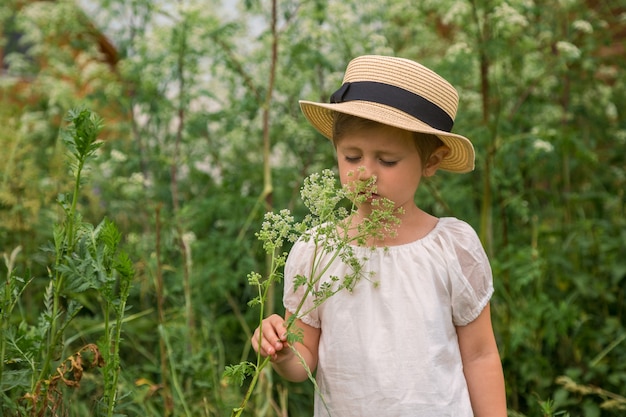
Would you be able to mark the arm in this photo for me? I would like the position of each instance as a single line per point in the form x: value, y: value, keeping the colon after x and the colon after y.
x: 274, y: 344
x: 482, y: 366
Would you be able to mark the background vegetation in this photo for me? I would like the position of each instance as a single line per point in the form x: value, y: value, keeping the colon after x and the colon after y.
x: 203, y: 134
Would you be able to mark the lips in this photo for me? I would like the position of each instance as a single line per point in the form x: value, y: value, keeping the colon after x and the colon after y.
x: 369, y: 195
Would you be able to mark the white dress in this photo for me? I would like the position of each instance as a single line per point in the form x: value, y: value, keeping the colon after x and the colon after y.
x: 391, y: 349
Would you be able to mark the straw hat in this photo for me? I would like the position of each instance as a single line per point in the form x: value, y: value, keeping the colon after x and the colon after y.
x: 400, y: 93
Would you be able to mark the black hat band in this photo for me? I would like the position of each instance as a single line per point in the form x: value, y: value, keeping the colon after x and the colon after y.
x: 399, y: 98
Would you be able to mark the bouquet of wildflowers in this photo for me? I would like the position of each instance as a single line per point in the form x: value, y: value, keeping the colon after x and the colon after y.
x: 328, y: 225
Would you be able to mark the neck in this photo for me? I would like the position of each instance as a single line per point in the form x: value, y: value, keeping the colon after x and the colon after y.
x: 412, y: 225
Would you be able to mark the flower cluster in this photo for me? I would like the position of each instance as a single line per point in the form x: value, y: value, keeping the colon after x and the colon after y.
x: 331, y: 229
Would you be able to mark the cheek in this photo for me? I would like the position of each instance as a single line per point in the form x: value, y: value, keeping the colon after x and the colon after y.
x: 344, y: 176
x: 347, y: 178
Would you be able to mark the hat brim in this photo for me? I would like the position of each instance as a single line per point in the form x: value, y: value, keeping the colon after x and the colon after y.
x: 320, y: 115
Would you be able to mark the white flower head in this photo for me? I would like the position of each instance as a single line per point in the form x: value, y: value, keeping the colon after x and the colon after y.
x: 189, y: 238
x: 457, y: 12
x: 542, y: 145
x: 459, y: 48
x: 118, y: 156
x: 137, y: 178
x: 568, y: 49
x: 582, y: 26
x: 611, y: 111
x: 506, y: 16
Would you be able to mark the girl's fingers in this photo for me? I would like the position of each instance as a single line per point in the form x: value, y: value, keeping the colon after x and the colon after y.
x: 272, y: 338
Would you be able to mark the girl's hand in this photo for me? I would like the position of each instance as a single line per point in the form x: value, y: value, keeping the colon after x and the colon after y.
x: 273, y: 340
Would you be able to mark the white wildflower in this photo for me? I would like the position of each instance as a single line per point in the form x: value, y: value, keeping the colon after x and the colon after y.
x: 459, y: 48
x: 207, y: 167
x: 132, y: 238
x: 611, y: 111
x: 506, y: 17
x: 106, y: 169
x: 582, y: 26
x: 457, y: 12
x: 118, y: 156
x: 189, y: 238
x: 568, y: 49
x: 542, y: 145
x: 137, y: 178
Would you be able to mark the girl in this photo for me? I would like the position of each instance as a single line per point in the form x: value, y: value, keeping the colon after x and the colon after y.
x: 421, y: 342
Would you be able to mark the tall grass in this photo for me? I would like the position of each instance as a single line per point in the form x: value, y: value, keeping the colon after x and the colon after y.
x: 35, y: 368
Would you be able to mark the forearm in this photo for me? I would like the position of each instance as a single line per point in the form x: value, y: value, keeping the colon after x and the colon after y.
x: 292, y: 368
x: 485, y: 381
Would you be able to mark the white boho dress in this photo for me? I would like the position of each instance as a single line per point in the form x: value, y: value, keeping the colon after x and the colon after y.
x: 391, y: 349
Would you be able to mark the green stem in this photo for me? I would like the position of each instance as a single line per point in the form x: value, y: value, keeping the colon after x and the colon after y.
x: 54, y: 334
x: 71, y: 215
x: 175, y: 383
x: 108, y: 356
x: 260, y: 362
x: 112, y: 394
x: 7, y: 304
x: 121, y: 309
x: 4, y: 316
x: 237, y: 411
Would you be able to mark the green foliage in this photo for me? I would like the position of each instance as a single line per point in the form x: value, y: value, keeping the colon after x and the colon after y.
x: 85, y: 258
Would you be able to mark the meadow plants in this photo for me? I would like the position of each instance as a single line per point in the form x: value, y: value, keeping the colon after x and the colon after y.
x: 36, y: 365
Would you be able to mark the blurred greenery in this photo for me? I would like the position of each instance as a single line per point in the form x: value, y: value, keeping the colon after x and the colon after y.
x: 203, y: 135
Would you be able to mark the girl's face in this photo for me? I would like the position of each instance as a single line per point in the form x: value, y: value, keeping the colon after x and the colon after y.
x: 389, y: 154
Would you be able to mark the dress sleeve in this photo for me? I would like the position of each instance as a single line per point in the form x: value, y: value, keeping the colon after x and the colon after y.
x: 299, y: 263
x: 472, y: 281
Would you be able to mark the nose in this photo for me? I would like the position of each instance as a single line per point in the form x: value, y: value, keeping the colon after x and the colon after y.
x: 366, y: 170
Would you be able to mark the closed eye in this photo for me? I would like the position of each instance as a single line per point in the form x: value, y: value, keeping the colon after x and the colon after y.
x: 387, y: 163
x: 352, y: 159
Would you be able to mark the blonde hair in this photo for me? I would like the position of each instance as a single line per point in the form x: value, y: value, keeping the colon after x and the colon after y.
x: 343, y: 123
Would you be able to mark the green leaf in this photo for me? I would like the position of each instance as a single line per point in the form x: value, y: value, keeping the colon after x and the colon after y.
x: 239, y: 372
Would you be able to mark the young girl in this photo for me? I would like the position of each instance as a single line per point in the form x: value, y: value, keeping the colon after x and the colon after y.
x: 420, y: 343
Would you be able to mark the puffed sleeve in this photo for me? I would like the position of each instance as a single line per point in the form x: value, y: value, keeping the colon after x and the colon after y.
x: 471, y: 280
x: 299, y: 263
